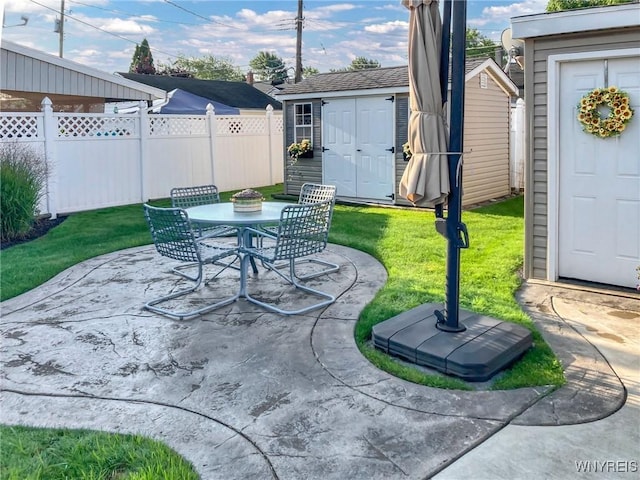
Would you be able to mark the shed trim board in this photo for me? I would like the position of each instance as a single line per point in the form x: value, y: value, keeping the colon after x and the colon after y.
x: 554, y: 65
x: 347, y: 93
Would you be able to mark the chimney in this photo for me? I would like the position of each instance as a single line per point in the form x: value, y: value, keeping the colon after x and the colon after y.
x: 250, y: 77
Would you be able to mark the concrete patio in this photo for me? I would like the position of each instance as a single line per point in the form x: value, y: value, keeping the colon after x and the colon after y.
x: 246, y: 394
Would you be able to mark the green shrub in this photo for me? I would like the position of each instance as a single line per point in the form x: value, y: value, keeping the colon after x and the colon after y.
x: 23, y: 176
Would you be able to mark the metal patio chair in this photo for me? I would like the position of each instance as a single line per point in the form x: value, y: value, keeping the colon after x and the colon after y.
x: 303, y: 230
x: 174, y: 238
x: 185, y: 197
x: 313, y: 193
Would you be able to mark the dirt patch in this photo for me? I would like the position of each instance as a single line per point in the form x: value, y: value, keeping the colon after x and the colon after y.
x: 40, y: 228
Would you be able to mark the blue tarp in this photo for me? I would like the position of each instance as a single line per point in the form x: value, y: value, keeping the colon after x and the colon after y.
x: 181, y: 102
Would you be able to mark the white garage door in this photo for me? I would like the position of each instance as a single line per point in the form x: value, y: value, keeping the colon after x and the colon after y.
x: 599, y: 184
x: 357, y: 137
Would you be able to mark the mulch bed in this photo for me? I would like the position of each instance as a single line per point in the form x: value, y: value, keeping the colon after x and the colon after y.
x: 40, y: 228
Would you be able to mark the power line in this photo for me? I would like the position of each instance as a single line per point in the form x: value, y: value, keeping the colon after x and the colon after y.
x: 98, y: 28
x: 121, y: 12
x: 200, y: 16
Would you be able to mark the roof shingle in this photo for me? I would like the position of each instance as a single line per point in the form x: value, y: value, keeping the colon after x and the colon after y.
x: 233, y: 94
x: 388, y: 77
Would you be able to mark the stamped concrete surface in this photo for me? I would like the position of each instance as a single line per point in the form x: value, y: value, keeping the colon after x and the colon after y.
x: 590, y: 428
x: 244, y: 393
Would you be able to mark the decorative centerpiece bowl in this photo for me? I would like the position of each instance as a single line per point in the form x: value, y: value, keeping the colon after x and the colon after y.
x: 247, y: 201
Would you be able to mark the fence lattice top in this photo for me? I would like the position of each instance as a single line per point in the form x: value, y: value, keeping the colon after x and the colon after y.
x: 95, y: 126
x: 19, y: 126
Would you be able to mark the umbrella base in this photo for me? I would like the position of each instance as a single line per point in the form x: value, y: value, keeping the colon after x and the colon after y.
x: 486, y: 346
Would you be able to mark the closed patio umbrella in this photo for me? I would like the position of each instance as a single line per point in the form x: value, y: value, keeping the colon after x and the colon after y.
x: 425, y: 181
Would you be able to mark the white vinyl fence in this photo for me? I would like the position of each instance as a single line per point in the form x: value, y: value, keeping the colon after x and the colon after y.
x: 517, y: 143
x: 104, y: 160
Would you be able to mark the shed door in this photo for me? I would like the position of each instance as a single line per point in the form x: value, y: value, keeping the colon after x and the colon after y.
x: 338, y: 142
x: 599, y: 185
x: 357, y: 137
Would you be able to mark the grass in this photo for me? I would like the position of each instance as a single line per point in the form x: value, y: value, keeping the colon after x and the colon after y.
x: 406, y: 243
x: 403, y: 240
x: 52, y: 454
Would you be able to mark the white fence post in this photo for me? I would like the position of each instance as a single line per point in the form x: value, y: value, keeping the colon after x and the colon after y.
x: 50, y: 126
x: 270, y: 130
x: 520, y: 142
x: 144, y: 161
x: 212, y: 130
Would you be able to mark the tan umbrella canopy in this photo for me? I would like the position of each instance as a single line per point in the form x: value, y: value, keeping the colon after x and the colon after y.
x: 425, y: 181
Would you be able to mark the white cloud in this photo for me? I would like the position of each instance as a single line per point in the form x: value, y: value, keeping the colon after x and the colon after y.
x: 387, y: 27
x: 271, y: 18
x: 500, y: 13
x: 124, y: 27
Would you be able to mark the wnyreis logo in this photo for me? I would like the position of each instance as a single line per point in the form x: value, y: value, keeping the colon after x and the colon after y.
x: 607, y: 466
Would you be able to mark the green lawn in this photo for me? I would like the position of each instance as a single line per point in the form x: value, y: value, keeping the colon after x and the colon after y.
x: 403, y: 240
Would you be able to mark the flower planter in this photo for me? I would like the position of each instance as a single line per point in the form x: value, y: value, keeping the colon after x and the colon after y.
x: 247, y: 201
x: 308, y: 154
x: 247, y: 205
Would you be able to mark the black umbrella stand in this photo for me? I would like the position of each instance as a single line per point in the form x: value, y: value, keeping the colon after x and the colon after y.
x: 461, y: 343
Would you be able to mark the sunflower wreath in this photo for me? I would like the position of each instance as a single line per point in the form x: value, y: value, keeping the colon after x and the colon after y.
x: 620, y: 112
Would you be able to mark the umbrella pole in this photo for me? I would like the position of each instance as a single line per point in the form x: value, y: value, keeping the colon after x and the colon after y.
x: 444, y: 70
x: 457, y: 236
x: 485, y: 345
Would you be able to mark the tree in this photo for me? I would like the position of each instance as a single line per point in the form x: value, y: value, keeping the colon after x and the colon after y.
x: 142, y: 61
x: 478, y: 45
x: 268, y: 66
x: 362, y: 63
x: 559, y: 5
x: 204, y: 68
x: 358, y: 63
x: 309, y: 71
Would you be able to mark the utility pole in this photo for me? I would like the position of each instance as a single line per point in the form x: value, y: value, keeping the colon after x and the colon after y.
x: 61, y: 29
x: 299, y: 20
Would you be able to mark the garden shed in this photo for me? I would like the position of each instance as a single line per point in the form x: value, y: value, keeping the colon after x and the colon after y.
x: 582, y: 191
x: 357, y: 124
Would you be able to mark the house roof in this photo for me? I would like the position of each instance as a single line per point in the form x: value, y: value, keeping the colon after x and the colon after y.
x: 579, y: 20
x: 233, y: 94
x: 378, y: 78
x: 84, y: 80
x: 185, y: 103
x: 383, y: 80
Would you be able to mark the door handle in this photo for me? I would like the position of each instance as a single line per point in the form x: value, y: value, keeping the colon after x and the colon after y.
x: 324, y: 149
x: 392, y: 149
x: 358, y: 150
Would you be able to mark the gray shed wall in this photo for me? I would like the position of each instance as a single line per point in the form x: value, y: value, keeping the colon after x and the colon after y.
x: 306, y: 169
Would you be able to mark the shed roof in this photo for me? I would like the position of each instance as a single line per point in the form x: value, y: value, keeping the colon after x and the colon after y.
x: 385, y: 79
x: 233, y: 94
x: 88, y: 81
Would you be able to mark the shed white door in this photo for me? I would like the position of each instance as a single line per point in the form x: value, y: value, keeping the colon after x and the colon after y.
x: 599, y: 184
x: 357, y: 137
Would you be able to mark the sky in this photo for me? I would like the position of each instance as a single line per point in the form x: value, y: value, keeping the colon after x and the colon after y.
x: 103, y: 33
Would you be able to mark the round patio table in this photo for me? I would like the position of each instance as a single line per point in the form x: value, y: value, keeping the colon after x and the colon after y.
x: 223, y: 214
